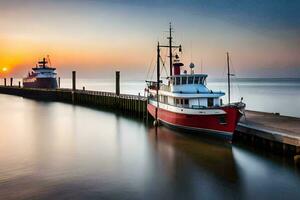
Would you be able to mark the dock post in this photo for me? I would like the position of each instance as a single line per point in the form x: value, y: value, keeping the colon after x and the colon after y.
x: 19, y: 84
x: 139, y: 105
x: 118, y: 83
x: 73, y: 86
x: 58, y: 82
x: 83, y: 88
x: 11, y: 81
x: 5, y: 82
x: 73, y: 80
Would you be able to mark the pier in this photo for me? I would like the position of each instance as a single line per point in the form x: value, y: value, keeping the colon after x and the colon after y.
x: 269, y: 131
x: 130, y: 104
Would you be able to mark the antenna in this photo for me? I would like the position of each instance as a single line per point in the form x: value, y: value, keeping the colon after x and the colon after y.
x: 171, y: 47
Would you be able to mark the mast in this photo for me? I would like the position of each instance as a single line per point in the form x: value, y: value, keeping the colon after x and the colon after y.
x: 44, y: 62
x: 228, y: 77
x: 158, y: 79
x: 170, y: 48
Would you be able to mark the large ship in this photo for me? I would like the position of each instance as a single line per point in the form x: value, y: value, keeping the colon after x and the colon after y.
x: 184, y: 101
x: 41, y: 76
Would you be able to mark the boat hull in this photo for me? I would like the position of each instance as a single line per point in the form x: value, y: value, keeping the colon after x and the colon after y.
x: 218, y: 125
x: 50, y: 83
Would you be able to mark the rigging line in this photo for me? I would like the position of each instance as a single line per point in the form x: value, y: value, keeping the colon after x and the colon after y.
x: 164, y: 63
x: 164, y: 67
x: 238, y: 87
x: 153, y: 70
x: 235, y: 78
x: 149, y: 67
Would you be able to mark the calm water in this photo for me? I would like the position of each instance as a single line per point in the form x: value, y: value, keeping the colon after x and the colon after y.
x: 61, y: 151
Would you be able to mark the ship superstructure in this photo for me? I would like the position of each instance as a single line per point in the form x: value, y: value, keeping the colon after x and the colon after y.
x: 41, y: 76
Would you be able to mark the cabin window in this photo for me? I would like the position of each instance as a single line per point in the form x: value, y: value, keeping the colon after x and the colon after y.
x: 216, y: 102
x: 190, y: 80
x: 183, y: 80
x: 186, y: 101
x: 177, y: 80
x: 165, y: 99
x: 196, y: 79
x: 222, y: 119
x: 201, y: 80
x: 210, y: 102
x: 177, y: 101
x: 181, y: 101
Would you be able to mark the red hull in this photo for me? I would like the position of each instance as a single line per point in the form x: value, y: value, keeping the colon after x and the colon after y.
x: 206, y: 123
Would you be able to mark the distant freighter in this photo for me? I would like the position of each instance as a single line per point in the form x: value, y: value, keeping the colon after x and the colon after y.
x: 41, y: 76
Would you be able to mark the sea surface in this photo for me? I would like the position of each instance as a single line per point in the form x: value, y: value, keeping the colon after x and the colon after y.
x: 51, y: 150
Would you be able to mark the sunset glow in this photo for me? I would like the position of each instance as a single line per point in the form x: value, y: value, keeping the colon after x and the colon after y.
x: 95, y: 37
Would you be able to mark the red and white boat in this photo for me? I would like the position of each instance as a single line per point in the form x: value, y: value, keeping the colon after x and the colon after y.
x: 183, y: 100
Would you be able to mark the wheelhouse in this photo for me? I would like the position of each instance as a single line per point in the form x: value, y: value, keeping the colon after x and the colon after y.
x: 188, y: 79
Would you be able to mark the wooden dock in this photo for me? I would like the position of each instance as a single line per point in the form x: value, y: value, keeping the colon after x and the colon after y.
x: 128, y: 104
x: 271, y: 131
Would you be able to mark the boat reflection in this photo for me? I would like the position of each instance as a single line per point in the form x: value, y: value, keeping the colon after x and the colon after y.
x: 211, y: 155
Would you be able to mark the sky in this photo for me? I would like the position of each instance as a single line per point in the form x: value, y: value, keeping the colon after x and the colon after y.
x: 97, y: 37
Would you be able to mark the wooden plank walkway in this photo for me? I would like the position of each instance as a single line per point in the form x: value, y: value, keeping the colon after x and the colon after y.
x: 275, y: 128
x: 131, y: 104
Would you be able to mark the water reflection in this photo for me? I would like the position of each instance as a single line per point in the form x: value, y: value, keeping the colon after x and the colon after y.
x: 56, y: 150
x: 211, y: 165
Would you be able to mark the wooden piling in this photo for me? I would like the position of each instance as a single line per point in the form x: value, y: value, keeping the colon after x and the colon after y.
x: 73, y: 80
x: 19, y: 84
x: 5, y: 82
x: 11, y: 81
x: 58, y: 82
x: 118, y: 83
x: 73, y: 86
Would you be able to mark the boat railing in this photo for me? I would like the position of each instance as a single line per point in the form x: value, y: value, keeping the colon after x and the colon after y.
x: 165, y: 88
x: 195, y: 107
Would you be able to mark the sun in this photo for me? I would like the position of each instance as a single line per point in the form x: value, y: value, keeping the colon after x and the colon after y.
x: 4, y: 69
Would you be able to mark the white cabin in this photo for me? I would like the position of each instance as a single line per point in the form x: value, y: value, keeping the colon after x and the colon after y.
x: 187, y: 91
